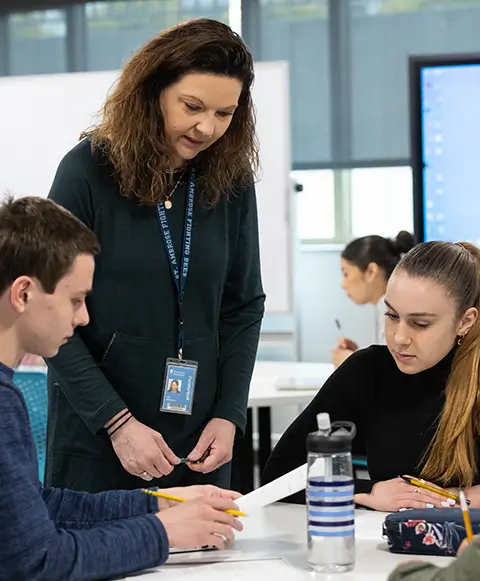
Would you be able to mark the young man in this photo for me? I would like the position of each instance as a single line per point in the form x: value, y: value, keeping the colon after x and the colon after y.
x: 465, y: 568
x: 46, y: 271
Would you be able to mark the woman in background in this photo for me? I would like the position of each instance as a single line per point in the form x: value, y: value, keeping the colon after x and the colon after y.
x: 165, y: 181
x: 367, y: 264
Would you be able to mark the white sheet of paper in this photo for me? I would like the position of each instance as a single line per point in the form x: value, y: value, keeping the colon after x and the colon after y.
x: 234, y: 571
x: 274, y: 491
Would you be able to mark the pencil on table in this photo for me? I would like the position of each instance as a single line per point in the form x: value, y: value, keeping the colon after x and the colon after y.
x: 178, y: 499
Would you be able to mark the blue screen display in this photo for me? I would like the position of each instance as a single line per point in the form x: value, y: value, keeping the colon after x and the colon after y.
x: 450, y: 105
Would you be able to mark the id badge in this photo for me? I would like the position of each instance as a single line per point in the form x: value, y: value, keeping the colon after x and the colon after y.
x: 179, y: 386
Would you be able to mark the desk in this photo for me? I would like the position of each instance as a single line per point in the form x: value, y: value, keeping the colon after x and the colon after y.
x: 263, y: 396
x: 266, y: 374
x: 279, y: 531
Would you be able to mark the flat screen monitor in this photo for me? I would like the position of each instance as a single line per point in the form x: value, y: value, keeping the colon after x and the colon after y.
x: 445, y: 146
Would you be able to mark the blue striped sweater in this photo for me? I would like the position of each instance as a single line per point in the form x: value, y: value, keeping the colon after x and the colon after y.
x: 59, y: 535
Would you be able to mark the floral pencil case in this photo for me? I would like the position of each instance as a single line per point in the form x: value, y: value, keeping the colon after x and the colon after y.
x: 430, y: 531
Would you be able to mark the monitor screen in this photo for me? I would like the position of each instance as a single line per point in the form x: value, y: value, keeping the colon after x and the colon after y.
x: 446, y: 148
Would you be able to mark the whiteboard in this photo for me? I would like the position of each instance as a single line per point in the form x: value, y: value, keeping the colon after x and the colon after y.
x: 42, y: 116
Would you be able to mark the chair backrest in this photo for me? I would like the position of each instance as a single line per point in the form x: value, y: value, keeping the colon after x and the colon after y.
x: 32, y: 382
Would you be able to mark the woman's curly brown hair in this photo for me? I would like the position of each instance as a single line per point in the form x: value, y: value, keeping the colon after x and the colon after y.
x: 131, y: 129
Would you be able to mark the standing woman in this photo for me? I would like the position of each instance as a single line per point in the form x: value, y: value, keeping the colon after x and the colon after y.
x: 367, y: 264
x: 165, y: 181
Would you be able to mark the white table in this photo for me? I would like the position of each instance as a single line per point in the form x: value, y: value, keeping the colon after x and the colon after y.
x: 264, y: 395
x: 266, y: 374
x: 279, y: 531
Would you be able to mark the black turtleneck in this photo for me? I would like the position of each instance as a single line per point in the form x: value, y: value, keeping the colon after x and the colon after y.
x: 396, y: 415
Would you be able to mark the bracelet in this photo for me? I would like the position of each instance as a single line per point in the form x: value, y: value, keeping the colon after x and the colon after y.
x: 121, y: 416
x: 110, y: 434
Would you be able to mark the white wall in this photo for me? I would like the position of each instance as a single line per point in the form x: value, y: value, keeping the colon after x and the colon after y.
x: 42, y: 117
x: 319, y: 301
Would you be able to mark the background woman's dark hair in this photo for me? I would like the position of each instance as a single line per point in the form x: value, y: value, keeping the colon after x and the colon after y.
x: 451, y: 459
x: 383, y: 251
x: 131, y: 130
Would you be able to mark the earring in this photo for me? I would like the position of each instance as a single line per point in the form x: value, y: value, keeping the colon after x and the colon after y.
x: 460, y: 339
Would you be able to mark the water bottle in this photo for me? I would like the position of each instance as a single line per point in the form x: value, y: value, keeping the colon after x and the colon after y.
x: 330, y: 491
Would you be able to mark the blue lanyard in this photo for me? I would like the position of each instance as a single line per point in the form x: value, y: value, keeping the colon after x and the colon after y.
x: 179, y: 271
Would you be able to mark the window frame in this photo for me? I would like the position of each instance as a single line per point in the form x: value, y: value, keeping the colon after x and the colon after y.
x: 340, y: 69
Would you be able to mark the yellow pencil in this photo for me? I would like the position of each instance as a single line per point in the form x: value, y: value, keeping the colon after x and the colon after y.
x: 466, y: 516
x: 420, y: 483
x: 178, y: 499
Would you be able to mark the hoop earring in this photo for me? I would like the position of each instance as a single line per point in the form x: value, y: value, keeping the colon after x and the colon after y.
x: 460, y: 339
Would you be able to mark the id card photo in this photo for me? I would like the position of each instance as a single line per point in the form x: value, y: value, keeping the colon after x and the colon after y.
x: 179, y: 386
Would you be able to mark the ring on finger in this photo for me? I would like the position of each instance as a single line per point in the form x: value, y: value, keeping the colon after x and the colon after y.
x: 145, y: 475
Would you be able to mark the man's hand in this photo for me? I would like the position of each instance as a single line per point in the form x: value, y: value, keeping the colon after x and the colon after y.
x: 142, y: 451
x: 195, y: 492
x: 217, y: 437
x: 201, y: 522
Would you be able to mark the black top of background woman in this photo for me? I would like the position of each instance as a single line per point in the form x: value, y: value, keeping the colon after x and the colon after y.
x: 416, y: 401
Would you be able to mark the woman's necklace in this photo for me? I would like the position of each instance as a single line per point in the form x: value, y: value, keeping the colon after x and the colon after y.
x: 168, y: 202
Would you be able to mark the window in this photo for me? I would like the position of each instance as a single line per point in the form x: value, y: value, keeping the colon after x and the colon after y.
x: 116, y: 29
x: 383, y: 34
x: 298, y: 32
x: 381, y: 201
x: 315, y: 205
x: 38, y: 42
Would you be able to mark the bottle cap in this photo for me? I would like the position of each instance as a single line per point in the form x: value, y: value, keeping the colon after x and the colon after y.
x: 337, y: 441
x: 323, y: 421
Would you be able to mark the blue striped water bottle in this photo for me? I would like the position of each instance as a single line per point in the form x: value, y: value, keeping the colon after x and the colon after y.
x: 330, y: 491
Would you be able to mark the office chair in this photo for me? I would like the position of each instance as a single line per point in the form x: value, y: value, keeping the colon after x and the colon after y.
x: 32, y: 382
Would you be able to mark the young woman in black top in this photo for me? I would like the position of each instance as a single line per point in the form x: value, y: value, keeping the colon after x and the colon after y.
x: 164, y: 180
x: 416, y: 401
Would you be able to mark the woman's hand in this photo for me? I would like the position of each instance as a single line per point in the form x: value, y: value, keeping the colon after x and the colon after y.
x: 217, y: 437
x: 339, y: 355
x: 472, y: 494
x: 347, y: 344
x: 345, y: 347
x: 142, y: 451
x: 392, y: 495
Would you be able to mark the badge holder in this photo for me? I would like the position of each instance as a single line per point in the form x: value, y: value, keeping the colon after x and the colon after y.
x: 180, y: 374
x: 179, y: 386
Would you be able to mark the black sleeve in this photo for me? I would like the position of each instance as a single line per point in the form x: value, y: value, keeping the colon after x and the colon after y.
x: 82, y: 381
x: 344, y: 396
x: 241, y: 314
